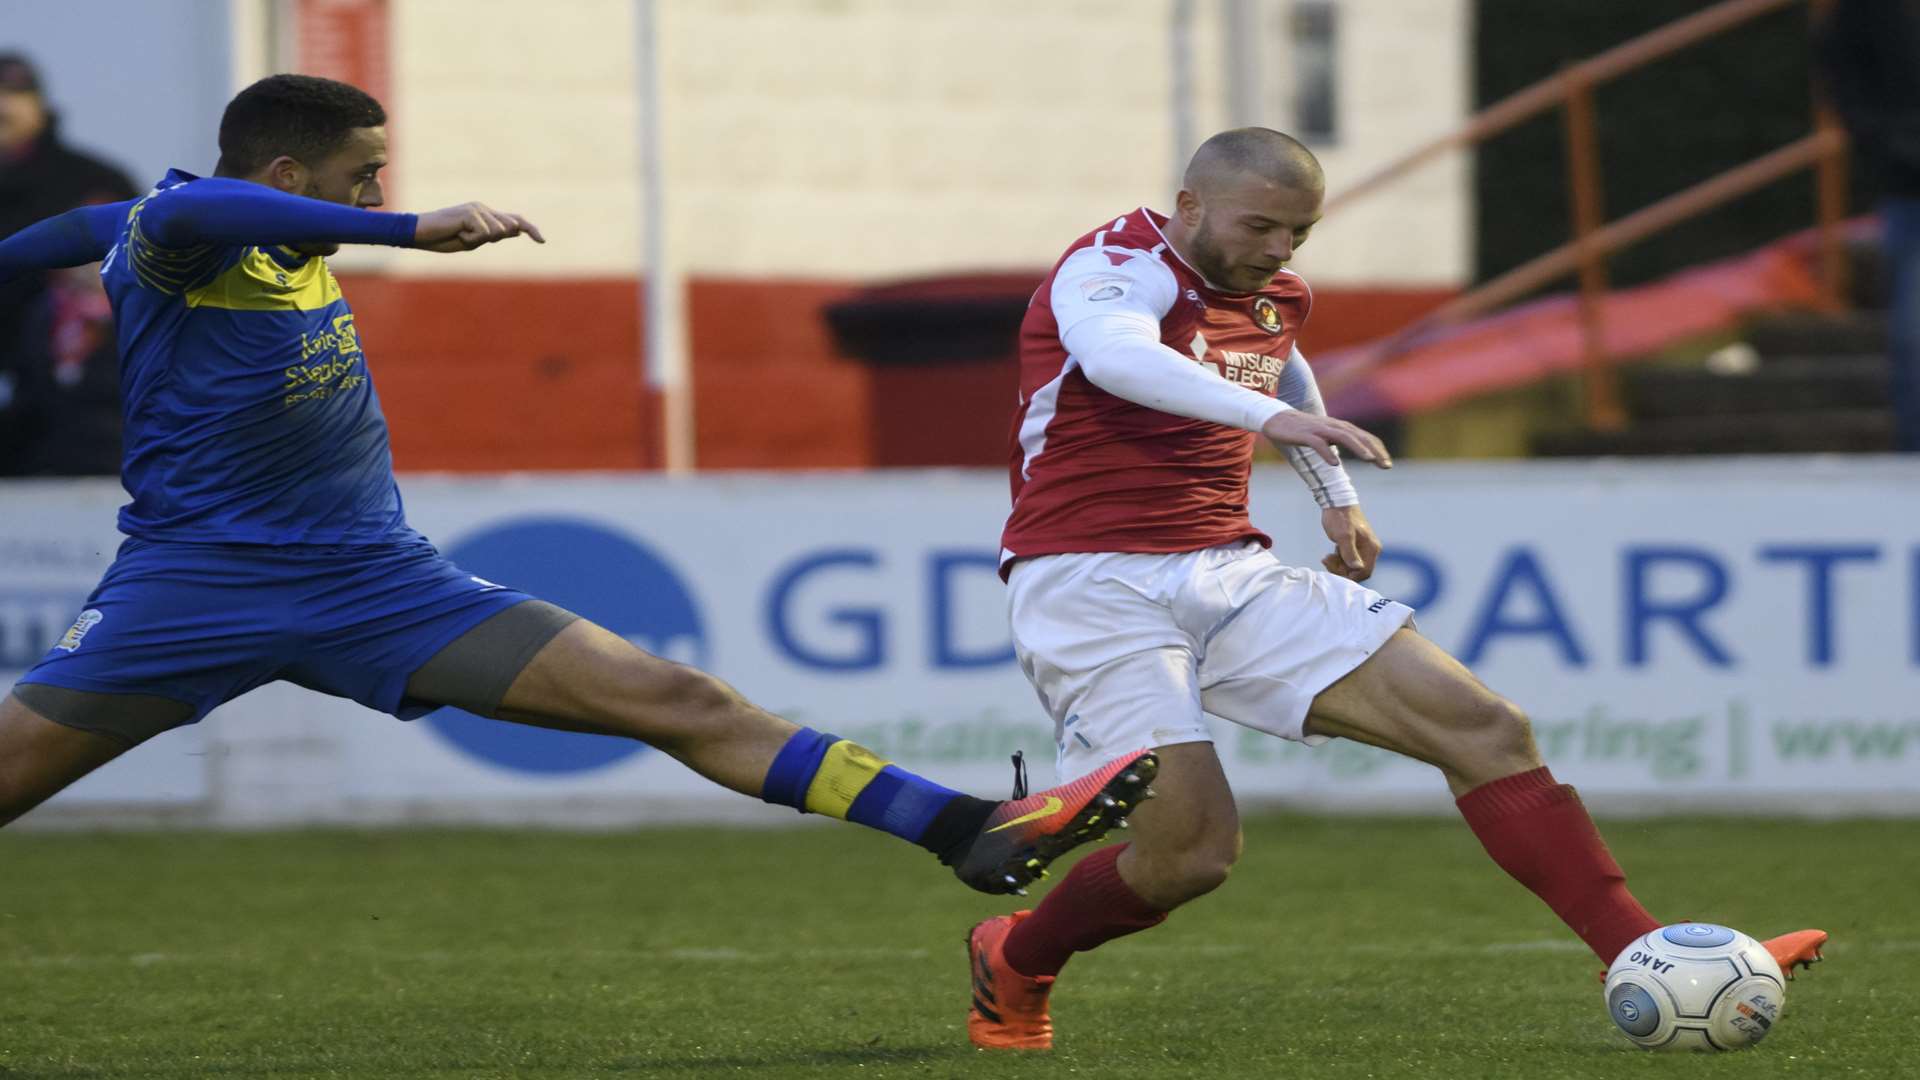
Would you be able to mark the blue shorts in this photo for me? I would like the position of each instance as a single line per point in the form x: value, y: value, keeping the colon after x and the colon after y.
x: 204, y: 623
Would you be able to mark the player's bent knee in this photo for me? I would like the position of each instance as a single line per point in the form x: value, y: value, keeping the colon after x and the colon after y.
x: 1498, y: 739
x: 1207, y: 875
x: 696, y: 691
x: 1188, y: 873
x: 1511, y: 729
x: 1197, y: 875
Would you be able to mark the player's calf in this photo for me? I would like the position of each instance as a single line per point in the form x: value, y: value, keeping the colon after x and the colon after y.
x: 1539, y: 832
x: 1185, y: 842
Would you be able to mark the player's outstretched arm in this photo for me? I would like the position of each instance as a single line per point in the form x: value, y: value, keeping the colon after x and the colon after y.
x: 1121, y: 353
x: 74, y: 238
x: 1119, y: 350
x: 225, y: 211
x: 471, y: 225
x: 1321, y: 434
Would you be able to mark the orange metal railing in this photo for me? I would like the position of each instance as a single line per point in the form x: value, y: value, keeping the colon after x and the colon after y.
x: 1825, y: 150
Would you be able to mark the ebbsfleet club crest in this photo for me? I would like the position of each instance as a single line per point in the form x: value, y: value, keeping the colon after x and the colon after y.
x: 1267, y: 314
x: 77, y: 633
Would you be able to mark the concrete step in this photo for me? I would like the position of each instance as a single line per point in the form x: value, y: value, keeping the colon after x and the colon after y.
x: 1809, y: 333
x: 1812, y: 431
x: 1778, y: 384
x: 1867, y: 275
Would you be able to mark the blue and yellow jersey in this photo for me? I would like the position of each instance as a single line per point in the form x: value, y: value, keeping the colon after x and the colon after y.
x: 250, y: 417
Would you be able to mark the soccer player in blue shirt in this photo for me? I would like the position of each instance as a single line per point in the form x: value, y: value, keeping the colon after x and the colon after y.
x: 266, y: 538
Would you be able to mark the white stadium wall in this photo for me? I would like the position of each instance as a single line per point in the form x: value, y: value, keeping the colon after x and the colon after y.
x: 871, y: 139
x: 1725, y: 635
x: 809, y: 149
x: 827, y: 139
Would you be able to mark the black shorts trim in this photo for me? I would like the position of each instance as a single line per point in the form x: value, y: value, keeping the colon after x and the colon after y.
x: 128, y: 719
x: 475, y: 671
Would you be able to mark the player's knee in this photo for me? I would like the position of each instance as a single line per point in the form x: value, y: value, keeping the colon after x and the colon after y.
x: 1209, y: 873
x: 682, y: 690
x: 1194, y: 870
x: 1201, y: 873
x: 675, y: 705
x: 1499, y: 735
x: 642, y: 696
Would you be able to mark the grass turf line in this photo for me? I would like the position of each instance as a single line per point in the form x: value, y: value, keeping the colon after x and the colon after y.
x: 1341, y: 948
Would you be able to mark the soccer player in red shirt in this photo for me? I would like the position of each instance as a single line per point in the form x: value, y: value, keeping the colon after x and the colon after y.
x: 1141, y: 596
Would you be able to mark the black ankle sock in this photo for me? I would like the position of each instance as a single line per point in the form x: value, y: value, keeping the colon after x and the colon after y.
x: 955, y: 826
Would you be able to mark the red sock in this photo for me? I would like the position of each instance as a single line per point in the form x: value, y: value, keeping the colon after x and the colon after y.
x: 1090, y: 906
x: 1539, y: 832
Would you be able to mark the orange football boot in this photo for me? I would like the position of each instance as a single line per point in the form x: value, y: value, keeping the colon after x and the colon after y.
x: 1798, y: 949
x: 1027, y: 832
x: 1009, y: 1009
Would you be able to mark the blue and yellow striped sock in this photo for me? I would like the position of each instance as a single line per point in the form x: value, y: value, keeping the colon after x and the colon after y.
x: 818, y: 773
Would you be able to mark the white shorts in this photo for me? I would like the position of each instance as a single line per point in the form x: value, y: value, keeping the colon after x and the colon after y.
x: 1131, y: 651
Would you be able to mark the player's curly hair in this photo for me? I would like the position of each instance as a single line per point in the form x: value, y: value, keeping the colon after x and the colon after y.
x: 301, y: 116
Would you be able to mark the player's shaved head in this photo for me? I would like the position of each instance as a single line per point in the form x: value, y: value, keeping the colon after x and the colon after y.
x: 1249, y: 198
x: 1252, y: 153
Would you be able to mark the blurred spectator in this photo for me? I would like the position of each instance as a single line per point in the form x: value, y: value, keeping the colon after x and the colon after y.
x: 60, y: 387
x: 1870, y: 50
x: 56, y: 352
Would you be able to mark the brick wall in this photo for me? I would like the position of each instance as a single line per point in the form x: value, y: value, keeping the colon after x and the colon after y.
x: 493, y: 375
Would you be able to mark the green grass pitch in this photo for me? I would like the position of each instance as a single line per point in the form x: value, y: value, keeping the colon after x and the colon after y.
x: 1341, y: 948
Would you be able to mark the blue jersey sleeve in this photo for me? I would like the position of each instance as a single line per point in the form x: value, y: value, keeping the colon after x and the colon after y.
x: 74, y: 238
x: 223, y: 211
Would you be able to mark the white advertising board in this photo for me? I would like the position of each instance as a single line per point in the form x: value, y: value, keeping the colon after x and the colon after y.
x: 1725, y: 634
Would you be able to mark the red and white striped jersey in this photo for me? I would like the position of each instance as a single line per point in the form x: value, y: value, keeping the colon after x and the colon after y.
x: 1093, y: 472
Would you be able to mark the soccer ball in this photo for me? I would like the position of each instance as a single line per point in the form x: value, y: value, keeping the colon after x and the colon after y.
x: 1695, y: 986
